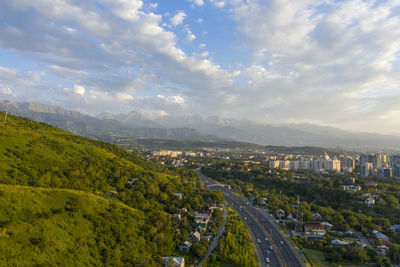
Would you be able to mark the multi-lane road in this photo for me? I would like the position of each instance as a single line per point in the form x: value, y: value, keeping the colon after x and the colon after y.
x: 273, y: 249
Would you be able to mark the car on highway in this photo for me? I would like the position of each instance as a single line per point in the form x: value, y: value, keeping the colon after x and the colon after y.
x: 266, y: 239
x: 270, y: 247
x: 267, y: 259
x: 281, y: 242
x: 258, y: 240
x: 245, y: 218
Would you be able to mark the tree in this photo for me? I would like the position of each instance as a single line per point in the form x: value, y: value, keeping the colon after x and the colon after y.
x: 394, y: 253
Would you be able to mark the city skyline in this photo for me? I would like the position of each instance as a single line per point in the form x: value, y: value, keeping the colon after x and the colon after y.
x: 323, y: 62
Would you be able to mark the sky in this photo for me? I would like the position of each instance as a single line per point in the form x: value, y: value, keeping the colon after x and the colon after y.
x: 325, y: 62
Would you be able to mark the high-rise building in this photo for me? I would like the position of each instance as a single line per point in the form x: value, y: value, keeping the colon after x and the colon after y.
x: 304, y: 165
x: 284, y: 164
x: 367, y: 169
x: 384, y: 172
x: 396, y: 171
x: 273, y: 164
x: 336, y: 165
x: 316, y: 164
x: 294, y: 165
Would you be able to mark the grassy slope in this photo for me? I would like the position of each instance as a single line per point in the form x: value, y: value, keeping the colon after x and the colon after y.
x: 92, y: 230
x: 49, y: 226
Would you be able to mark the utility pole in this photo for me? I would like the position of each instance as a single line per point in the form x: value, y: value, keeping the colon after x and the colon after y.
x: 5, y: 116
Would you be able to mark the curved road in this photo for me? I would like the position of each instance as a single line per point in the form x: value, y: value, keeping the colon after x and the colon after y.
x: 264, y: 233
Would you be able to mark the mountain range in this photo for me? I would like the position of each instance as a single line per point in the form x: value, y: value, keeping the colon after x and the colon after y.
x: 196, y: 127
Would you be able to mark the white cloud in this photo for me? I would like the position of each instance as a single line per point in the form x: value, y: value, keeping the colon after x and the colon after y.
x: 198, y: 2
x: 69, y: 29
x: 67, y: 72
x: 79, y: 89
x: 153, y: 5
x: 7, y: 71
x: 178, y: 18
x: 204, y: 54
x: 190, y: 36
x: 217, y: 3
x: 124, y: 96
x: 6, y: 91
x: 175, y: 99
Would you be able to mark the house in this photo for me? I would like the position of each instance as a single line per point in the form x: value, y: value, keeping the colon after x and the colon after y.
x: 380, y: 236
x: 291, y: 218
x: 395, y: 228
x: 177, y: 217
x: 354, y: 188
x: 174, y: 262
x: 338, y: 242
x: 130, y: 182
x: 211, y: 204
x: 280, y: 214
x: 209, y: 213
x: 185, y: 246
x: 327, y: 226
x: 382, y: 249
x: 370, y: 184
x: 202, y: 218
x: 314, y: 230
x: 370, y: 202
x: 196, y: 236
x: 358, y: 244
x: 316, y: 216
x: 178, y: 195
x: 113, y: 192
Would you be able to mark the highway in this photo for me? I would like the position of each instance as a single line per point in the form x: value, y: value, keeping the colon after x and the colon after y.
x: 268, y: 240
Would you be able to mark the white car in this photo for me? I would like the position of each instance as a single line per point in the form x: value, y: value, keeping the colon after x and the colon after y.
x: 267, y: 260
x: 270, y: 247
x: 266, y: 239
x: 281, y: 242
x: 258, y: 240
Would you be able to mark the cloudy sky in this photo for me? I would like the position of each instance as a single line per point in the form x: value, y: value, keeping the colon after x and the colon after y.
x: 278, y: 61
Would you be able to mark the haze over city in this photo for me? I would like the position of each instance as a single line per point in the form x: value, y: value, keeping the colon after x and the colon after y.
x: 331, y: 63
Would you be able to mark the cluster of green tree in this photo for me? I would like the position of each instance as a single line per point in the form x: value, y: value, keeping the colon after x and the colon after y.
x: 38, y: 155
x: 62, y: 227
x: 347, y: 254
x: 235, y: 247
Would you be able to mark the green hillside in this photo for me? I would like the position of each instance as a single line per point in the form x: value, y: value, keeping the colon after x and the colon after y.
x: 49, y: 226
x: 37, y: 160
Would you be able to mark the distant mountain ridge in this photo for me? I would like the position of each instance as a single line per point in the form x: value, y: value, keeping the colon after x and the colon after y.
x: 132, y: 125
x: 195, y: 127
x: 282, y: 135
